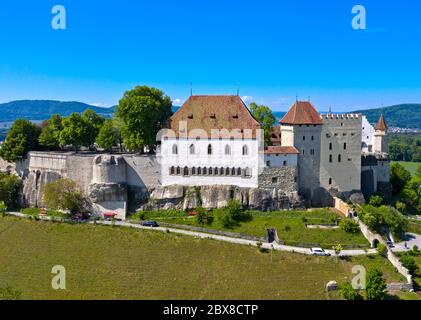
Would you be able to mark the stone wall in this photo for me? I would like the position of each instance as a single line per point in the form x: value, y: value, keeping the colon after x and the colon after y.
x: 283, y: 178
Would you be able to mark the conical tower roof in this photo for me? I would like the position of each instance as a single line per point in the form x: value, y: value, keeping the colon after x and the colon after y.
x: 381, y: 124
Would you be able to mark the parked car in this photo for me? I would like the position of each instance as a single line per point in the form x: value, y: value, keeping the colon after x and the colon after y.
x: 319, y: 252
x: 151, y: 224
x: 390, y: 244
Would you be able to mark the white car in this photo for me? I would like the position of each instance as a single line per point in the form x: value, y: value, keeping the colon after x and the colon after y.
x: 319, y: 252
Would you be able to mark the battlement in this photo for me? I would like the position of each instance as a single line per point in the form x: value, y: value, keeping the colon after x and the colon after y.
x: 349, y: 116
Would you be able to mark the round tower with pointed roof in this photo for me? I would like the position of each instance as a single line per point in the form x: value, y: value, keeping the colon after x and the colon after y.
x: 380, y: 136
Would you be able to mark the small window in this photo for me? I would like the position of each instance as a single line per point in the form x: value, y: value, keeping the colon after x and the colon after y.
x: 205, y: 171
x: 245, y: 150
x: 178, y: 171
x: 274, y: 180
x: 239, y: 172
x: 330, y: 181
x: 285, y: 163
x: 345, y: 146
x: 227, y: 150
x: 193, y: 171
x: 227, y: 171
x: 233, y: 171
x: 213, y: 116
x: 209, y: 149
x: 210, y: 171
x: 221, y: 171
x: 267, y: 163
x: 199, y: 171
x: 312, y: 138
x: 330, y: 158
x: 330, y: 146
x: 192, y: 149
x: 172, y: 171
x: 339, y: 158
x: 186, y: 171
x: 216, y: 172
x: 190, y: 116
x: 174, y: 149
x: 304, y: 138
x: 247, y: 172
x: 304, y: 152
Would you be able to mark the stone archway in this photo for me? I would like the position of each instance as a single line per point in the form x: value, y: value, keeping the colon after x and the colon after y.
x: 375, y: 243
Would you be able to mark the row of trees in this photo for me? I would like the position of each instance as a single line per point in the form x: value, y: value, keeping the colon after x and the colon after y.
x: 405, y: 147
x: 406, y: 189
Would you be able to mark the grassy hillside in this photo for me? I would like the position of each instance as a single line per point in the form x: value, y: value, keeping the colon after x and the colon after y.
x: 119, y: 263
x: 43, y: 109
x: 410, y: 166
x: 402, y: 116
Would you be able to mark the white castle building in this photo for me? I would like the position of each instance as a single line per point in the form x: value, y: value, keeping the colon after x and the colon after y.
x: 214, y: 140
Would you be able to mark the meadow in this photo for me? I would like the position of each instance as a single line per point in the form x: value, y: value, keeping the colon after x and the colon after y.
x: 119, y: 263
x: 410, y: 166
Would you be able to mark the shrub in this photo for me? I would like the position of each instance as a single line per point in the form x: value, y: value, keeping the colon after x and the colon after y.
x: 409, y: 262
x: 224, y: 217
x: 203, y: 216
x: 375, y: 285
x: 349, y: 226
x: 382, y: 250
x: 2, y: 208
x: 348, y: 292
x: 337, y: 248
x: 64, y: 194
x: 9, y: 189
x: 375, y: 201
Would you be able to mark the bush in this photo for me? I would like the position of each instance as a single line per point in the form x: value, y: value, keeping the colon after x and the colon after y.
x: 409, y: 262
x: 224, y: 217
x: 375, y: 285
x: 202, y: 216
x: 337, y: 248
x: 64, y: 194
x: 382, y: 250
x: 9, y: 189
x: 375, y: 201
x: 349, y: 226
x: 348, y: 292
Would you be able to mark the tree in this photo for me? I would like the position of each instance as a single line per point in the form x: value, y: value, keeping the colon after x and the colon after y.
x: 3, y: 208
x: 144, y: 111
x: 348, y: 292
x: 9, y: 189
x: 409, y: 263
x: 74, y: 131
x: 224, y: 217
x: 411, y: 195
x: 108, y: 136
x: 399, y: 176
x: 93, y: 124
x: 376, y: 201
x: 264, y: 115
x: 349, y: 226
x: 418, y: 172
x: 375, y: 285
x: 22, y: 138
x: 64, y: 194
x: 202, y: 216
x: 50, y: 134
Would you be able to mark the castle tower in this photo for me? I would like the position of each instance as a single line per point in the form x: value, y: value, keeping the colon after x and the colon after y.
x: 380, y: 136
x: 301, y: 128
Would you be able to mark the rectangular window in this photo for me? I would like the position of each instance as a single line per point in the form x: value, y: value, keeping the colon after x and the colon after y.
x: 274, y: 180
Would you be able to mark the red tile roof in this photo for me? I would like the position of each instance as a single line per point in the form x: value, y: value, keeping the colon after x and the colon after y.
x: 214, y: 113
x: 281, y: 150
x: 381, y: 125
x: 302, y: 113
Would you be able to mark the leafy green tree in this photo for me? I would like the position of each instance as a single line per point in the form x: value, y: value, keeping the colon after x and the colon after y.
x: 64, y: 194
x: 74, y: 131
x: 349, y: 226
x: 108, y: 136
x: 411, y: 195
x: 22, y: 138
x: 348, y: 292
x: 9, y: 189
x: 144, y: 111
x: 264, y: 115
x: 409, y: 263
x: 399, y: 176
x: 50, y: 134
x: 3, y: 208
x: 376, y: 201
x: 375, y: 285
x: 225, y: 218
x: 202, y: 216
x: 93, y: 124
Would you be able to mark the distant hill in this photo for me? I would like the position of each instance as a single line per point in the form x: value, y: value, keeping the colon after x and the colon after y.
x: 402, y: 115
x: 44, y: 109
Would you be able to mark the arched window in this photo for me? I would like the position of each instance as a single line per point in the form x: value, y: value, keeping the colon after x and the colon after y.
x: 247, y: 172
x: 285, y: 163
x: 233, y: 171
x: 227, y: 171
x: 221, y: 171
x: 210, y: 171
x: 192, y: 149
x: 227, y: 150
x: 239, y: 172
x: 210, y: 149
x: 172, y: 171
x: 174, y: 149
x: 216, y: 171
x: 186, y: 171
x: 245, y: 150
x: 193, y: 171
x: 199, y: 171
x: 339, y: 158
x: 178, y: 170
x: 205, y: 171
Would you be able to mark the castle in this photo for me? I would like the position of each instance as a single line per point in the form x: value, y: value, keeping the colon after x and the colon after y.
x: 213, y: 151
x: 214, y: 140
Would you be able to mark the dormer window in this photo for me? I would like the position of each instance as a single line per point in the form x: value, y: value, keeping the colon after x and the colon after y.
x: 213, y: 116
x: 235, y: 116
x: 190, y: 116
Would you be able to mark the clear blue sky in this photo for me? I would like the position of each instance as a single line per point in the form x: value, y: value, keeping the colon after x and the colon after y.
x: 272, y: 49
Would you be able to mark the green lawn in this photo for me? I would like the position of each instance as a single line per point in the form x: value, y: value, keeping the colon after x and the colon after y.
x: 414, y: 227
x: 291, y: 226
x: 120, y: 263
x: 410, y: 166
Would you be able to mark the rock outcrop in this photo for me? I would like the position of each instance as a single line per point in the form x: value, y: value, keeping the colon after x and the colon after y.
x: 213, y: 197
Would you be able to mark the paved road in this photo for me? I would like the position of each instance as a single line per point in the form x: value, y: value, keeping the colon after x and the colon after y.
x: 411, y: 241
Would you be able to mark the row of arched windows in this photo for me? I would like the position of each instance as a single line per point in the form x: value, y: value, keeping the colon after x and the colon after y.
x: 209, y: 171
x: 227, y: 151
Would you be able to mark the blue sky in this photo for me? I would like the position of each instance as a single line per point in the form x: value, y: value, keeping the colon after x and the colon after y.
x: 273, y: 50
